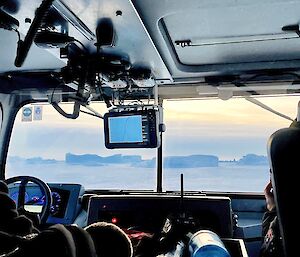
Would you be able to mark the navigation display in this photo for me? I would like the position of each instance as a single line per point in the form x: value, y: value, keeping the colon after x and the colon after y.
x: 131, y: 129
x: 125, y: 129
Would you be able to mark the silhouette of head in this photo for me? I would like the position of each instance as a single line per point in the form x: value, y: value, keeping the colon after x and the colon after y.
x: 110, y: 240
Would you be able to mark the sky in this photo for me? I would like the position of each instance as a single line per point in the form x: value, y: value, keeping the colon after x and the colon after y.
x: 229, y: 129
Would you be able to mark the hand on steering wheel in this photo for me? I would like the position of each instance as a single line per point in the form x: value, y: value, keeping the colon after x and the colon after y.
x: 21, y: 196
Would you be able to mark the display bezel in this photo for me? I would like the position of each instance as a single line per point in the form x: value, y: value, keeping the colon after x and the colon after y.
x: 149, y: 129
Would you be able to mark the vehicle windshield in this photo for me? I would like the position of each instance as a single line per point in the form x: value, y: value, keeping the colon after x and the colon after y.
x: 218, y: 146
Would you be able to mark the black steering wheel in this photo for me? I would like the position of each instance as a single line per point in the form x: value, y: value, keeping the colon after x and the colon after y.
x: 21, y: 196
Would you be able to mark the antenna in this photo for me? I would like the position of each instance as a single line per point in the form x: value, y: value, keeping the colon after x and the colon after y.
x: 182, y: 213
x: 24, y: 46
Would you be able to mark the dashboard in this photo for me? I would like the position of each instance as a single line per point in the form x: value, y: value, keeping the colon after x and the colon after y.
x: 136, y: 212
x: 149, y: 212
x: 65, y: 200
x: 154, y: 213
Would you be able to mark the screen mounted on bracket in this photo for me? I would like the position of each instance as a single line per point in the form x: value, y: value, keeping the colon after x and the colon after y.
x: 131, y: 129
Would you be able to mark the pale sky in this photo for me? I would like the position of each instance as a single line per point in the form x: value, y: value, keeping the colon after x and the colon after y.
x: 228, y: 129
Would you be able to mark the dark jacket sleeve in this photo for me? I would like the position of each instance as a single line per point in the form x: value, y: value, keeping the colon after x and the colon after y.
x: 272, y: 240
x: 266, y: 220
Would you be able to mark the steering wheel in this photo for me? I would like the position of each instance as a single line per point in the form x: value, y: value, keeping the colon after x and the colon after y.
x: 21, y: 196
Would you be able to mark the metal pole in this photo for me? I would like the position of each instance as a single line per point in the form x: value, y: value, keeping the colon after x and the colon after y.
x: 159, y: 166
x: 159, y: 150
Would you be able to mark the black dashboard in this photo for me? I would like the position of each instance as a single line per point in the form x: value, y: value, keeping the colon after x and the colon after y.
x: 65, y: 200
x: 150, y: 211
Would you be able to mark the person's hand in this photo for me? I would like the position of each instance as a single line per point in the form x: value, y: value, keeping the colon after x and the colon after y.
x: 269, y: 196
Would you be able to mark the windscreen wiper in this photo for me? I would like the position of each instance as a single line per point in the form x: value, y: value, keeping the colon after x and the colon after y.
x: 24, y: 46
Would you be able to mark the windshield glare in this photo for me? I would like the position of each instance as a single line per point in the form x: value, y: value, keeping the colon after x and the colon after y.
x: 217, y: 145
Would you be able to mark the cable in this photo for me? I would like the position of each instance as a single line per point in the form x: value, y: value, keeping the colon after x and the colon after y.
x: 92, y: 114
x: 18, y: 33
x: 83, y: 46
x: 95, y: 113
x: 260, y: 104
x: 51, y: 99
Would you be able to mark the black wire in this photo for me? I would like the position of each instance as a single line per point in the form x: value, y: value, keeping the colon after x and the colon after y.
x: 83, y: 46
x: 18, y: 33
x: 92, y: 114
x: 100, y: 88
x: 53, y: 91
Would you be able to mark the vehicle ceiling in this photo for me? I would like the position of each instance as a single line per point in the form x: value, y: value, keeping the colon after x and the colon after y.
x: 194, y: 48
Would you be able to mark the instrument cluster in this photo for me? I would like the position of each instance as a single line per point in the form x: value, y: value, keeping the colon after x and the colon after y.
x: 35, y: 200
x: 40, y: 200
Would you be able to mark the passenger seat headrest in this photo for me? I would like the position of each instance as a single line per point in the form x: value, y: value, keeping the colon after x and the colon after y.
x: 283, y: 153
x: 110, y: 240
x: 83, y: 241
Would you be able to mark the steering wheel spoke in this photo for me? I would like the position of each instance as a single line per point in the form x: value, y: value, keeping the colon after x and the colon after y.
x: 22, y: 193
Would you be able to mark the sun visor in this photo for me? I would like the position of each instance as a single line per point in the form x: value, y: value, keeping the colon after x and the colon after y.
x: 234, y: 34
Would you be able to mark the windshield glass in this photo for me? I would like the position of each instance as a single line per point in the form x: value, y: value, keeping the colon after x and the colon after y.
x: 218, y: 146
x: 57, y: 149
x: 222, y: 144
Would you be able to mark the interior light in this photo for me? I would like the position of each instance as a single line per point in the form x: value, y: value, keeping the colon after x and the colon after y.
x: 114, y: 220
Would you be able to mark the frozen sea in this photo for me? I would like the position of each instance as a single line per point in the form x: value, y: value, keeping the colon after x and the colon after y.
x: 227, y: 177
